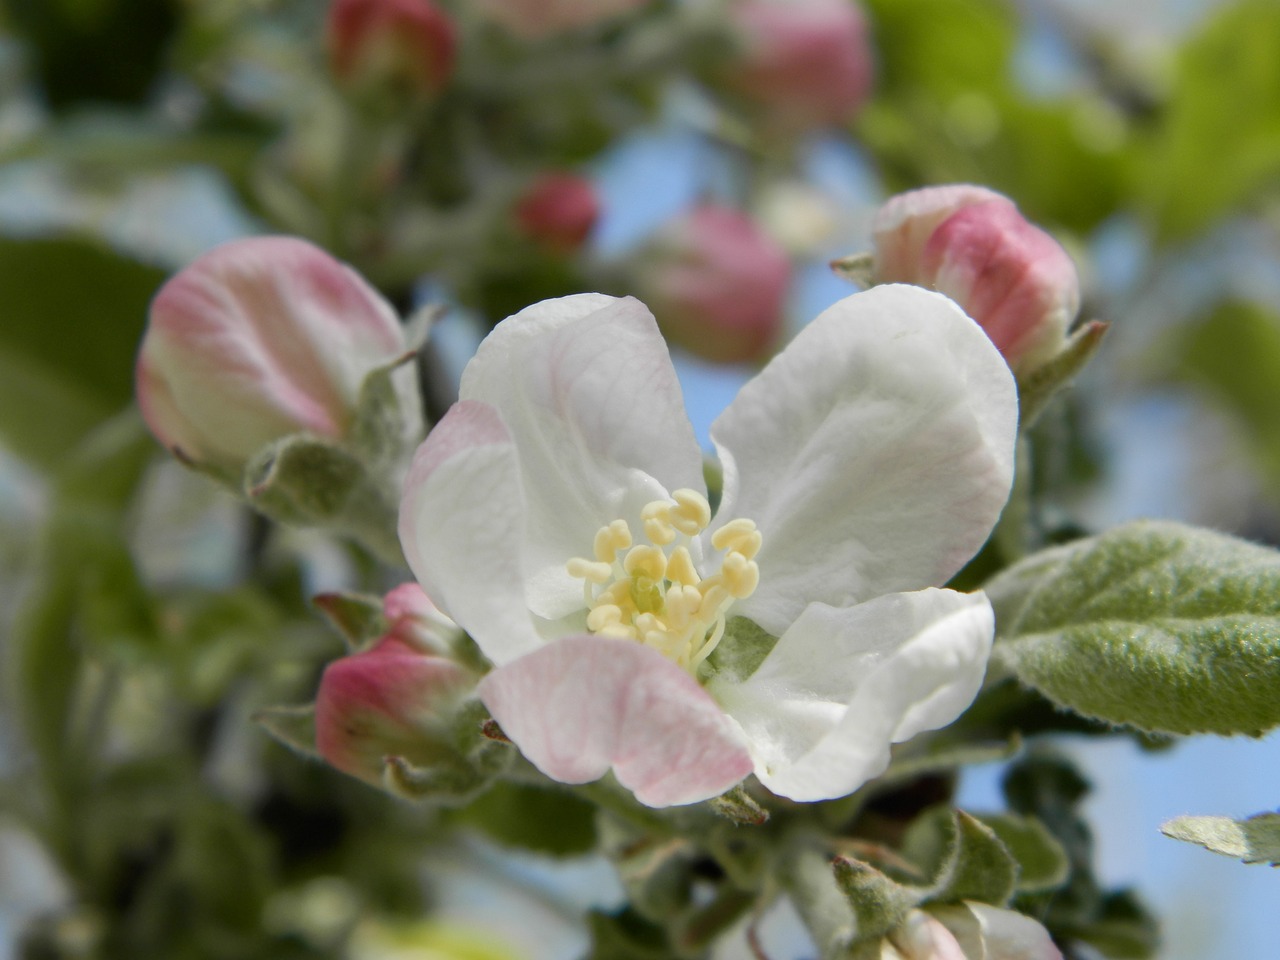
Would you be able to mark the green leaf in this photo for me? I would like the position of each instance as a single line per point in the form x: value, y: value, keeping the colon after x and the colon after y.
x: 1042, y: 861
x: 550, y: 821
x: 73, y: 315
x: 1255, y: 840
x: 1158, y: 625
x: 879, y: 903
x: 964, y: 857
x: 1227, y: 91
x: 1234, y: 354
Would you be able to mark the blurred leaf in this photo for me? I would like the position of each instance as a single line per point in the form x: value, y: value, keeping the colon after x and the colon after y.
x: 626, y: 936
x: 95, y: 51
x: 1219, y: 142
x: 546, y: 821
x: 1158, y: 625
x: 964, y: 857
x: 1255, y: 840
x: 293, y: 727
x: 1235, y: 355
x: 1042, y: 862
x: 947, y: 109
x: 1123, y: 929
x: 73, y: 315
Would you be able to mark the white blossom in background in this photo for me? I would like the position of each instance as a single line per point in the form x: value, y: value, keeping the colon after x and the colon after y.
x: 558, y: 513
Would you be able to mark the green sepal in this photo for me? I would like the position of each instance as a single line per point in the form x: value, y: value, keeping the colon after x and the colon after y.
x: 859, y: 268
x: 291, y: 726
x: 964, y: 857
x: 1158, y: 625
x: 358, y: 617
x: 1038, y: 386
x: 386, y: 426
x: 310, y: 482
x: 739, y: 653
x: 1042, y: 860
x: 740, y: 807
x: 879, y: 904
x: 1253, y: 840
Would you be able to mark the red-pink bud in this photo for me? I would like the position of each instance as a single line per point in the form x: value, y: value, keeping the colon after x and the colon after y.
x: 381, y: 45
x: 808, y: 61
x: 255, y: 340
x: 392, y: 700
x: 558, y: 210
x: 717, y: 284
x: 973, y: 245
x: 535, y: 19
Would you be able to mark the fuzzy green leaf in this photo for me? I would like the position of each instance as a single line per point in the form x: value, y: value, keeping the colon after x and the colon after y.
x: 1158, y: 625
x: 1255, y: 840
x: 1042, y: 861
x: 964, y: 857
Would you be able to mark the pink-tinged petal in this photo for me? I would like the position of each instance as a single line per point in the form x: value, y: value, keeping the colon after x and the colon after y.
x: 586, y: 389
x: 461, y: 519
x: 985, y: 932
x: 904, y: 224
x: 386, y: 701
x: 257, y: 339
x: 559, y: 211
x: 391, y: 46
x: 875, y: 453
x: 808, y: 60
x: 841, y: 685
x: 922, y: 937
x: 1009, y: 275
x: 583, y: 705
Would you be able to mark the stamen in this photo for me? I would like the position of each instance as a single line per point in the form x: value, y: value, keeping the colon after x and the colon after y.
x: 658, y: 598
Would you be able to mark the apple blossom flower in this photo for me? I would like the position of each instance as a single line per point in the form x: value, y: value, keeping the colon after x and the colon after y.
x: 717, y: 283
x: 973, y: 245
x: 558, y: 514
x: 969, y: 931
x: 383, y: 44
x: 395, y: 698
x: 256, y: 340
x: 558, y: 210
x: 808, y: 62
x: 536, y: 19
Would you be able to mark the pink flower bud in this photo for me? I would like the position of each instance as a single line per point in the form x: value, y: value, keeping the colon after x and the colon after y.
x: 973, y: 245
x: 558, y: 210
x: 535, y: 19
x: 255, y: 340
x: 808, y: 61
x: 407, y: 45
x: 392, y: 700
x: 717, y: 284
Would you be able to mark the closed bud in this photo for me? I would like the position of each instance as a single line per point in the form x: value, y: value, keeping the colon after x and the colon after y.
x: 404, y: 47
x: 536, y: 19
x: 257, y: 340
x: 969, y: 931
x: 973, y: 245
x: 392, y: 700
x: 558, y: 211
x: 717, y: 284
x: 807, y: 62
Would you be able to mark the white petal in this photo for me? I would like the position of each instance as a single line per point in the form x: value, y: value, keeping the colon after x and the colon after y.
x: 843, y: 684
x: 990, y: 933
x: 460, y: 522
x: 586, y: 387
x: 584, y: 704
x: 875, y: 452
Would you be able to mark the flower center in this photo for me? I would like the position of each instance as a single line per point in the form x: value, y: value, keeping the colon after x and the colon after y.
x: 651, y: 592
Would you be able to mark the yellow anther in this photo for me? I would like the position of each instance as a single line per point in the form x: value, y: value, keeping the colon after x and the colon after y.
x: 622, y: 631
x: 741, y: 576
x: 647, y: 623
x: 656, y: 517
x: 692, y: 513
x: 646, y: 561
x: 602, y: 616
x: 582, y: 569
x: 738, y: 535
x: 609, y: 540
x: 680, y: 567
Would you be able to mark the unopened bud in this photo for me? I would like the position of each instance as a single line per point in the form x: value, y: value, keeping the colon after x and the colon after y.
x: 808, y: 62
x: 973, y: 245
x: 404, y: 47
x: 257, y: 340
x: 717, y: 284
x: 558, y: 211
x: 392, y: 700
